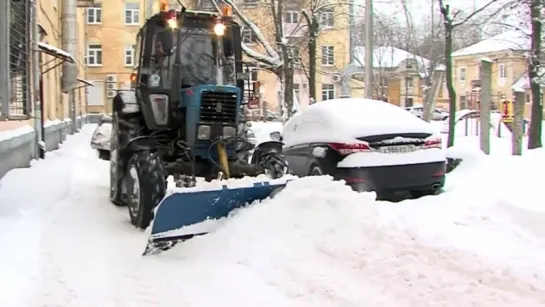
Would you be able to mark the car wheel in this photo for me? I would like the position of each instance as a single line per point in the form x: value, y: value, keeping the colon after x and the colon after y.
x: 422, y: 193
x: 316, y: 170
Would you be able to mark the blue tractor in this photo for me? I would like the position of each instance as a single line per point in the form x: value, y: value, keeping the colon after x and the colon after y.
x: 183, y: 117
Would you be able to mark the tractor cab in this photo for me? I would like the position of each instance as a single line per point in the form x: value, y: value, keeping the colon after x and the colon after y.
x: 189, y: 54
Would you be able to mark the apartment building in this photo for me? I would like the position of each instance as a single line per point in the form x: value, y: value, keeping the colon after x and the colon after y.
x: 333, y: 47
x: 509, y: 69
x: 399, y: 76
x: 20, y: 66
x: 112, y: 27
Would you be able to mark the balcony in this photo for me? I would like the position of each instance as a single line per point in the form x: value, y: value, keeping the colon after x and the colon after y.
x: 475, y: 83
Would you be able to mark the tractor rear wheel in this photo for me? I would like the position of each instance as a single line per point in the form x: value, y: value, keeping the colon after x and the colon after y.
x: 116, y: 164
x: 146, y: 187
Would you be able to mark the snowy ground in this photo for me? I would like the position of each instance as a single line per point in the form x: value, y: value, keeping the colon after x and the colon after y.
x: 481, y: 243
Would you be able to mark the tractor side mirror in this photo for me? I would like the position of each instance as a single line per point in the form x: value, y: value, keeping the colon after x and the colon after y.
x: 228, y: 48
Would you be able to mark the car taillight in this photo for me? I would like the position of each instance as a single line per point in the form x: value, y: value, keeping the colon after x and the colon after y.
x: 346, y: 149
x: 433, y: 143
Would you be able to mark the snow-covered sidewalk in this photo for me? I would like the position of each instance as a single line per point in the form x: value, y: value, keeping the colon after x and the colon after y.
x: 316, y: 244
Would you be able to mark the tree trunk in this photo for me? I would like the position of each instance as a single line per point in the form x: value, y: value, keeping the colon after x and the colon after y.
x: 534, y: 135
x: 313, y: 27
x: 312, y: 46
x: 518, y: 116
x: 450, y: 82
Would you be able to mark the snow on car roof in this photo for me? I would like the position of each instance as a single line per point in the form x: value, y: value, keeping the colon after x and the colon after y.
x: 345, y: 120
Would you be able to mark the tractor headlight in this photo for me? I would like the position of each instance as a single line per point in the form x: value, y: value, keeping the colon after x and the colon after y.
x: 159, y: 105
x: 203, y: 133
x: 219, y: 29
x: 229, y: 132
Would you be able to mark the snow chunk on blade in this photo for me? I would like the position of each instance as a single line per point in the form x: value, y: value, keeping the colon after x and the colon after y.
x: 188, y: 212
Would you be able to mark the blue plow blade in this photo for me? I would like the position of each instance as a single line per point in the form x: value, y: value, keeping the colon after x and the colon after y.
x: 189, y: 208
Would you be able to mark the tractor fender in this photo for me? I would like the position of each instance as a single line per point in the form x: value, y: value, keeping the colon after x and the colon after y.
x: 266, y: 147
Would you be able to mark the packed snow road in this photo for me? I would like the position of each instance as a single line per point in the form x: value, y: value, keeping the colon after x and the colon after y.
x: 316, y: 244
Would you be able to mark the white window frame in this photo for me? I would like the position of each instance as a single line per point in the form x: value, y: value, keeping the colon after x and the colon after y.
x: 250, y: 2
x: 134, y: 15
x: 463, y: 74
x: 502, y: 72
x: 292, y: 17
x: 95, y: 20
x: 328, y: 55
x: 248, y: 36
x: 328, y: 19
x: 129, y: 53
x: 94, y: 54
x: 328, y: 91
x: 295, y: 54
x: 297, y: 91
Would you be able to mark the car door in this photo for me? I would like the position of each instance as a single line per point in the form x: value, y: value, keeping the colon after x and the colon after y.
x: 297, y: 157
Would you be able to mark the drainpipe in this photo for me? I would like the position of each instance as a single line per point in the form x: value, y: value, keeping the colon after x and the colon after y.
x: 69, y: 44
x: 36, y: 74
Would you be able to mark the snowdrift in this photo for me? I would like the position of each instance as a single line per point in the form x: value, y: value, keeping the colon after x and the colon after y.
x: 322, y: 244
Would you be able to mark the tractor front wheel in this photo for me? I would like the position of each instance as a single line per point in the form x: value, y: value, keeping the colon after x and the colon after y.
x: 146, y: 187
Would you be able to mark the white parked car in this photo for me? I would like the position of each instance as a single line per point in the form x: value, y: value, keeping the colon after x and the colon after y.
x: 370, y: 144
x: 418, y: 111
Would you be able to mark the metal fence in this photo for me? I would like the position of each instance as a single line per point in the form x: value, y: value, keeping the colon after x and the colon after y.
x: 16, y: 35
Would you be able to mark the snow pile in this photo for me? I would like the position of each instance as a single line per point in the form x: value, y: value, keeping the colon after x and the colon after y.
x: 102, y: 136
x: 263, y: 130
x: 321, y: 244
x: 11, y: 134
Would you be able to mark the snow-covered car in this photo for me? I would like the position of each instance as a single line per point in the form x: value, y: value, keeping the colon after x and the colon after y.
x: 370, y: 144
x: 102, y: 136
x: 418, y: 111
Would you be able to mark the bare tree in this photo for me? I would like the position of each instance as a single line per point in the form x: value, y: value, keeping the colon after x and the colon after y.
x: 318, y: 15
x: 387, y: 38
x: 534, y: 135
x: 451, y: 21
x: 433, y: 51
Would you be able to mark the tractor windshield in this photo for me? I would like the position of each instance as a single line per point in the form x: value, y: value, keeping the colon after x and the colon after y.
x: 197, y: 52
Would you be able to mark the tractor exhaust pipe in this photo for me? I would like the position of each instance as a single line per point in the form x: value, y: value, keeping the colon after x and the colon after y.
x: 435, y: 186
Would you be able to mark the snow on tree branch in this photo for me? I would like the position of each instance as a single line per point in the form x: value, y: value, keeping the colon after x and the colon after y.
x: 272, y: 57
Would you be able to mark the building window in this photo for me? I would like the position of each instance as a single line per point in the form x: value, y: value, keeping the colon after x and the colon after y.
x: 94, y: 15
x: 132, y: 14
x: 409, y: 82
x: 328, y: 91
x: 328, y: 55
x: 328, y: 18
x: 503, y: 71
x: 250, y: 2
x: 462, y: 74
x: 94, y: 55
x: 297, y: 91
x: 248, y: 37
x: 295, y: 54
x: 129, y: 55
x: 292, y: 17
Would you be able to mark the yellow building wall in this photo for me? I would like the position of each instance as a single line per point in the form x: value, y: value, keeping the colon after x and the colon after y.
x: 55, y: 103
x: 515, y: 67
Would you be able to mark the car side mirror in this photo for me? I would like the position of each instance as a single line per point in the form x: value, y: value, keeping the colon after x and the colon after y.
x: 276, y: 136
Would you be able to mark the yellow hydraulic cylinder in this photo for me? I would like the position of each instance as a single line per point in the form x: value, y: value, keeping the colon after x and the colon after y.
x: 223, y: 161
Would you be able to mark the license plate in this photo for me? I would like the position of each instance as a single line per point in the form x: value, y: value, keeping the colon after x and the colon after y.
x: 397, y: 149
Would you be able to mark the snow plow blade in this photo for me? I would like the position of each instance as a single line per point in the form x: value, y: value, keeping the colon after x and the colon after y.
x: 183, y: 215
